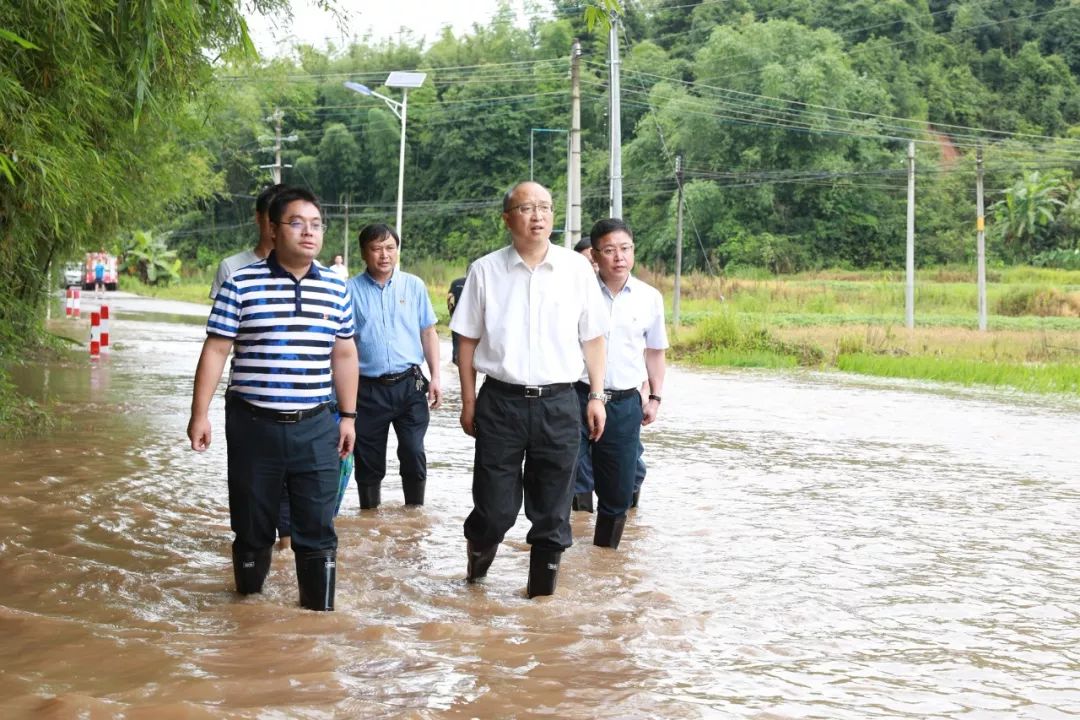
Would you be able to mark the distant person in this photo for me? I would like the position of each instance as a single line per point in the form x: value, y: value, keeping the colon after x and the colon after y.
x: 636, y: 347
x: 230, y: 265
x: 262, y: 248
x: 99, y: 275
x: 282, y: 434
x: 452, y: 298
x: 529, y: 314
x: 584, y: 248
x: 395, y: 332
x: 339, y: 267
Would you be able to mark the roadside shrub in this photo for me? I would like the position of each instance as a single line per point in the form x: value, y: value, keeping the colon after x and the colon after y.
x: 1060, y: 259
x: 1041, y: 302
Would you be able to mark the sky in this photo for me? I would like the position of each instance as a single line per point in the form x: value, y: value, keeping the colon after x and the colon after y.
x: 382, y: 18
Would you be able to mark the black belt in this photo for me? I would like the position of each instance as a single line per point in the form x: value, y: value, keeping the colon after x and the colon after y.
x: 393, y: 379
x: 281, y: 416
x: 529, y: 391
x: 612, y: 395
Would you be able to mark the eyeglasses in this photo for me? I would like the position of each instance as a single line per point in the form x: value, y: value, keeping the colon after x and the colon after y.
x: 316, y: 226
x: 528, y: 208
x: 610, y: 250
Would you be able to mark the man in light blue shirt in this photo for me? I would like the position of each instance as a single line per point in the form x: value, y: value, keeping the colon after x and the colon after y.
x: 395, y: 332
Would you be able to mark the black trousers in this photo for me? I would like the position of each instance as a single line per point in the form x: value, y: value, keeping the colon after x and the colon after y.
x: 267, y: 458
x: 403, y: 405
x: 540, y: 432
x: 614, y: 457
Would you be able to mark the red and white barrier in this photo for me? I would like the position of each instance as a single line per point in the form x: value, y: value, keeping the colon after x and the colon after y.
x: 72, y: 302
x: 95, y: 335
x: 104, y: 327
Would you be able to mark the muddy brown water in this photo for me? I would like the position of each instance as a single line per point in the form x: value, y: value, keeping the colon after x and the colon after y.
x: 808, y: 546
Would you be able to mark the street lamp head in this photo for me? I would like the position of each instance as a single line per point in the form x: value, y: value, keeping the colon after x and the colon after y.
x: 401, y: 79
x: 357, y: 87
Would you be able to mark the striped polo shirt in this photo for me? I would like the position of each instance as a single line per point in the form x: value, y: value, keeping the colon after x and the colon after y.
x: 283, y: 331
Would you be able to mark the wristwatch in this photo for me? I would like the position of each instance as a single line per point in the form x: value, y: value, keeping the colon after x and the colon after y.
x: 655, y: 397
x: 346, y: 414
x: 602, y: 397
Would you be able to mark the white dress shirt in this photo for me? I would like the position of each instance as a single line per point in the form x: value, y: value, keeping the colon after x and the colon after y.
x: 530, y: 323
x: 636, y: 324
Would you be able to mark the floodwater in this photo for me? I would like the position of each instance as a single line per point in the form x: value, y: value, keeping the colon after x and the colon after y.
x: 808, y: 546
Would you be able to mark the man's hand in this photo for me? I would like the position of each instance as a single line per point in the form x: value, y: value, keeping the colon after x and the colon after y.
x: 596, y: 417
x: 649, y: 410
x: 434, y: 394
x: 198, y: 432
x: 346, y: 437
x: 468, y: 416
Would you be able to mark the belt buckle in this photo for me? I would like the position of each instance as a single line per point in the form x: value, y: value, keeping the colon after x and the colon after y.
x: 289, y: 417
x: 533, y: 391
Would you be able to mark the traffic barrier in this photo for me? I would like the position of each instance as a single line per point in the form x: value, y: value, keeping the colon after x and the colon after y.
x: 77, y: 300
x: 69, y: 302
x: 95, y: 335
x: 104, y: 327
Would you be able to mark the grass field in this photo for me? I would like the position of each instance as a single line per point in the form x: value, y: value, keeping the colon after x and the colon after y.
x: 851, y: 321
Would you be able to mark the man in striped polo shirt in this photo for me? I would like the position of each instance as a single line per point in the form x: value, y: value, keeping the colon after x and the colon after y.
x: 291, y: 323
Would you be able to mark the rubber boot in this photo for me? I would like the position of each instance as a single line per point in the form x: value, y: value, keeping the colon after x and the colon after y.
x: 315, y: 574
x: 608, y: 530
x: 634, y: 499
x: 250, y: 569
x: 480, y: 560
x: 582, y: 502
x: 370, y: 497
x: 543, y: 571
x: 414, y: 492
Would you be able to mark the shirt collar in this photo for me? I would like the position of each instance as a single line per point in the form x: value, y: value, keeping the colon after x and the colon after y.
x: 627, y: 286
x: 277, y: 271
x: 551, y: 257
x: 372, y: 281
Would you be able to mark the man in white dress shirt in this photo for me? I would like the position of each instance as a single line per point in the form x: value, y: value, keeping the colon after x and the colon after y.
x: 636, y: 345
x: 529, y: 314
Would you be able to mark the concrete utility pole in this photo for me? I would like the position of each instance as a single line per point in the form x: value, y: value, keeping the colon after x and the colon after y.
x: 909, y: 295
x: 678, y: 242
x: 345, y: 254
x: 574, y: 211
x: 615, y: 118
x: 980, y: 236
x: 275, y: 169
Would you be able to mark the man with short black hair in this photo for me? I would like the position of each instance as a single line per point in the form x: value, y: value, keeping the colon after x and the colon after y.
x: 395, y: 332
x: 529, y: 315
x: 291, y: 322
x: 636, y: 345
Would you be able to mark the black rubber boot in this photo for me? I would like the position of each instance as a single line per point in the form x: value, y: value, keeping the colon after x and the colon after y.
x: 315, y: 574
x: 414, y: 492
x: 608, y: 530
x: 634, y: 499
x: 250, y: 570
x: 370, y: 496
x: 543, y: 571
x: 582, y: 502
x: 480, y: 560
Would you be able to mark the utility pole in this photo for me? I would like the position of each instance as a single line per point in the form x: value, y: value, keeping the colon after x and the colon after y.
x: 345, y: 254
x: 275, y: 169
x: 980, y: 236
x: 909, y: 294
x: 678, y: 241
x: 615, y: 118
x: 574, y: 211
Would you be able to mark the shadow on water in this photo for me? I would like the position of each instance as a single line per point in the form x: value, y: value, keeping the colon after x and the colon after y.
x: 808, y: 545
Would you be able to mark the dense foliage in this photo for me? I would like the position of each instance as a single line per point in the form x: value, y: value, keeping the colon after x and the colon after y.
x: 793, y: 118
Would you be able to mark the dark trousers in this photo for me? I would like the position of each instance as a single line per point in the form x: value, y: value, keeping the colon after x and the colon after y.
x: 584, y: 481
x: 403, y: 405
x: 540, y: 432
x: 614, y: 457
x: 267, y: 458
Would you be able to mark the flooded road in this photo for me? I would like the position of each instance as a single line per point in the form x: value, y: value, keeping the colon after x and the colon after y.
x: 807, y: 546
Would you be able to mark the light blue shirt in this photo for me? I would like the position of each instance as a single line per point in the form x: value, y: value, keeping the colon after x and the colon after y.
x: 389, y: 320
